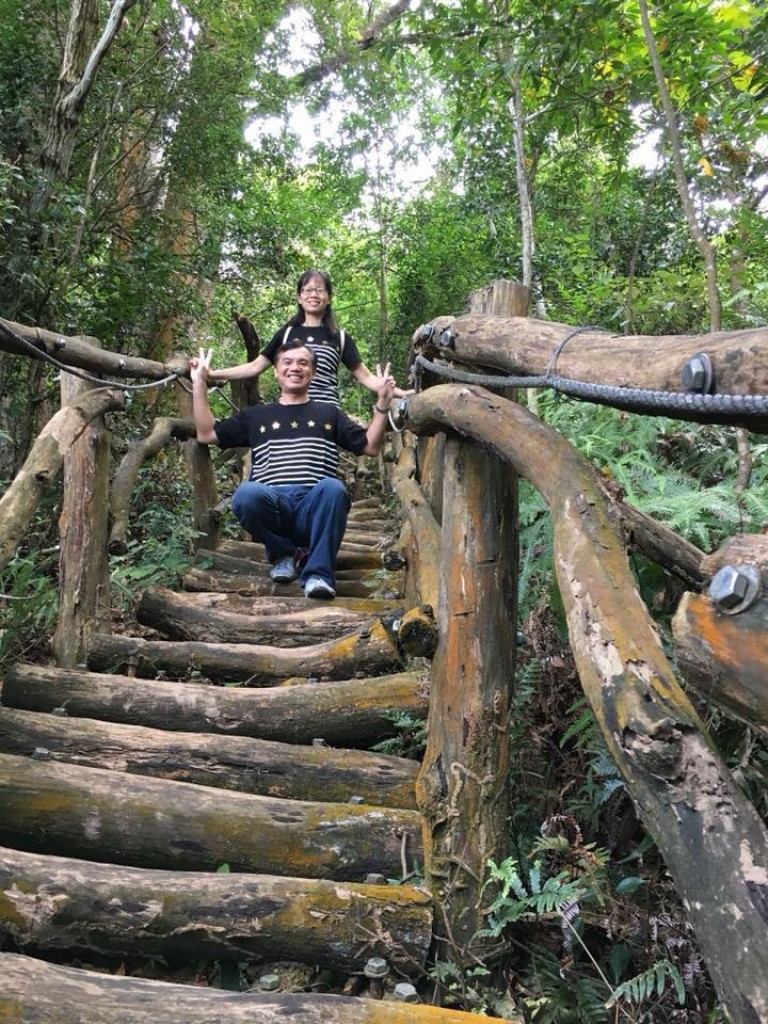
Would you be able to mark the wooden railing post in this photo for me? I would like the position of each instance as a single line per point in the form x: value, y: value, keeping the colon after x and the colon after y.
x: 84, y: 592
x: 204, y: 491
x: 463, y: 788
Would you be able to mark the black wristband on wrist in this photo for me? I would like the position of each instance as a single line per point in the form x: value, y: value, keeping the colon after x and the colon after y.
x: 376, y: 407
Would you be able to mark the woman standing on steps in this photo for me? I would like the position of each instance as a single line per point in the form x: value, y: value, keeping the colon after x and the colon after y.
x: 315, y: 326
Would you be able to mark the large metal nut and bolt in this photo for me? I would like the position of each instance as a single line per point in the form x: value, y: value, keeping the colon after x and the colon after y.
x: 405, y: 992
x: 734, y: 589
x: 697, y: 374
x: 376, y: 969
x: 425, y: 332
x: 447, y: 338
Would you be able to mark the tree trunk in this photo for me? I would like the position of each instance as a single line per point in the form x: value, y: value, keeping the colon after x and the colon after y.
x: 46, y: 994
x: 81, y: 352
x: 361, y: 609
x: 287, y: 771
x: 141, y: 451
x: 712, y: 839
x: 342, y: 713
x: 94, y: 814
x: 84, y: 596
x: 462, y: 788
x: 370, y: 652
x: 217, y: 561
x: 43, y: 463
x: 52, y: 904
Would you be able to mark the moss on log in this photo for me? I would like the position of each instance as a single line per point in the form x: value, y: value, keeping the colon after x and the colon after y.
x: 369, y: 652
x: 34, y: 991
x: 286, y: 770
x: 176, y: 616
x: 351, y: 713
x: 56, y: 904
x: 111, y: 817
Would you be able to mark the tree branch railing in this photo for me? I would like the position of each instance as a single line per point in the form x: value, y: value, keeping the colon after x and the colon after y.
x: 710, y: 835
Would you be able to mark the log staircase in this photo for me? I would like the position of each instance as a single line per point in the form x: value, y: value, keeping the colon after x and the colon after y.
x: 201, y: 802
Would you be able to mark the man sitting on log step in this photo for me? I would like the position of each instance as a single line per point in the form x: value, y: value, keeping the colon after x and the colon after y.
x: 294, y: 499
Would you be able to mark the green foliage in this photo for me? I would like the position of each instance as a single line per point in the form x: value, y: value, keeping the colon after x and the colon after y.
x: 410, y: 738
x: 651, y: 982
x: 161, y: 540
x: 28, y: 605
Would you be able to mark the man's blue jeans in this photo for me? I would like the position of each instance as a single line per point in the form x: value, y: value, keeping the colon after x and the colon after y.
x: 289, y: 516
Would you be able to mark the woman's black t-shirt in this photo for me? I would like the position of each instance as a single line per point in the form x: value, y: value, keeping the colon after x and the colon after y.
x: 325, y: 385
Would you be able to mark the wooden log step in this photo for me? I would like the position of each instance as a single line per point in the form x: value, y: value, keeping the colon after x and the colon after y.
x: 207, y: 579
x: 350, y: 713
x: 176, y: 616
x: 370, y: 652
x: 255, y: 553
x: 216, y: 561
x: 35, y: 991
x: 287, y: 771
x: 362, y: 609
x: 114, y: 818
x: 51, y: 904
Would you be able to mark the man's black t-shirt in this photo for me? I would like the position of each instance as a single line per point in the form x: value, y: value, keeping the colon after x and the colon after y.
x: 292, y: 444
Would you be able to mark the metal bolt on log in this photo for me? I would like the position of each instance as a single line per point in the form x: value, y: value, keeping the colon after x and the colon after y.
x: 447, y: 338
x: 697, y: 374
x: 734, y: 589
x: 376, y: 969
x: 405, y: 992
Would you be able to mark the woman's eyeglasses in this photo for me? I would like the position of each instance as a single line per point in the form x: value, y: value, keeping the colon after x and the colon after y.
x: 313, y: 291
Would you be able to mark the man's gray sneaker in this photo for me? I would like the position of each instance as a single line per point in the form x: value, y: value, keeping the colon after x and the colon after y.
x: 283, y: 571
x: 317, y: 588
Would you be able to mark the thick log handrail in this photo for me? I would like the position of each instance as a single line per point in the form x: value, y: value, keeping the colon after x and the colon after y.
x: 701, y: 821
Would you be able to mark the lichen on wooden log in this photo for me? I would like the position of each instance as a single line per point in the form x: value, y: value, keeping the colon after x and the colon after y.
x: 370, y: 651
x: 53, y: 905
x: 179, y: 618
x: 106, y: 816
x: 352, y: 713
x: 48, y: 994
x: 289, y: 771
x: 724, y: 657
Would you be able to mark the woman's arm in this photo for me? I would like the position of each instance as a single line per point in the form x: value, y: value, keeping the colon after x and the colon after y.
x: 244, y: 371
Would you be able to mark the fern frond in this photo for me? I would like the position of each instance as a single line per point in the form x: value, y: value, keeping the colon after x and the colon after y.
x: 650, y: 982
